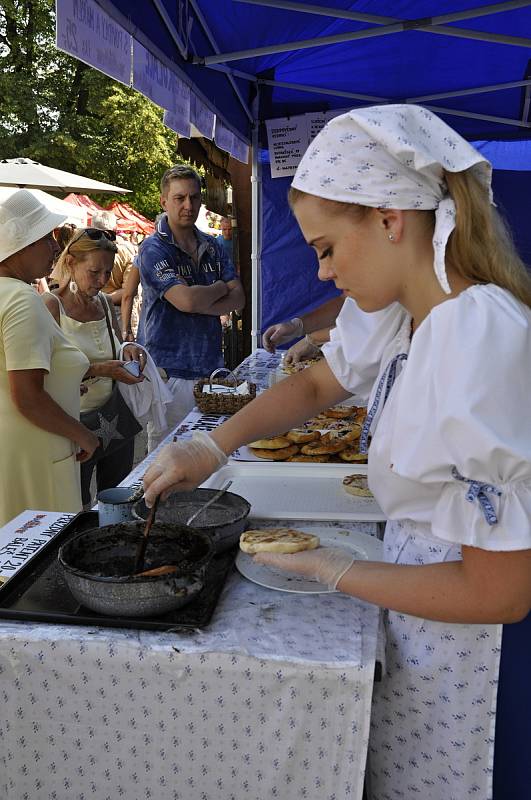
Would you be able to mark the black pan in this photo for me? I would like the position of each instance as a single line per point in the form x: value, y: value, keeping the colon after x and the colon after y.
x: 98, y: 567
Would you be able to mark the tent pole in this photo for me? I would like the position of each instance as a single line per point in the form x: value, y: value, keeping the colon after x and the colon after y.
x: 256, y: 231
x: 424, y: 24
x: 495, y: 87
x: 337, y: 13
x: 215, y: 47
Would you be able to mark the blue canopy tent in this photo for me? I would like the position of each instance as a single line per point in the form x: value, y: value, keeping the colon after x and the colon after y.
x: 256, y: 60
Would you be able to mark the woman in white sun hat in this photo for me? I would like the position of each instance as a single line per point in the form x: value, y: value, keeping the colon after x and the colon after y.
x: 398, y: 208
x: 40, y: 372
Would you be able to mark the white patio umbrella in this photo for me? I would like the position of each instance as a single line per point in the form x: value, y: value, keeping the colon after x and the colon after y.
x: 74, y: 214
x: 23, y: 172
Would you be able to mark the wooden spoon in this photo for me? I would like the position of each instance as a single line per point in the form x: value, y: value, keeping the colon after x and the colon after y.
x: 167, y: 569
x: 139, y: 563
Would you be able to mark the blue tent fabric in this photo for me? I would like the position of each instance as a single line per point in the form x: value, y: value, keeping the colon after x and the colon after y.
x: 290, y: 285
x: 409, y: 65
x: 394, y: 67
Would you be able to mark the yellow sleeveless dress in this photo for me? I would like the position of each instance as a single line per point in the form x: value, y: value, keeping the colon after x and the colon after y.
x: 39, y: 470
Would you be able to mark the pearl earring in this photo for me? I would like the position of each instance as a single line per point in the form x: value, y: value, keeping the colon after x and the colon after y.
x: 73, y: 286
x: 391, y: 237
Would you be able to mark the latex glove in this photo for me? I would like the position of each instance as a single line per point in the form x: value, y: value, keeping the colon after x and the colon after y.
x: 300, y: 351
x: 281, y: 333
x: 325, y: 564
x: 182, y: 466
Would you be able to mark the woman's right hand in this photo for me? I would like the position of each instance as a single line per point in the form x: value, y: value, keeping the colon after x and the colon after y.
x: 115, y: 369
x: 182, y: 466
x: 281, y: 333
x: 88, y: 442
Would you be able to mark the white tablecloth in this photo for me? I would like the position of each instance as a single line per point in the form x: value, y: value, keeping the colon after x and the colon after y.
x: 271, y: 700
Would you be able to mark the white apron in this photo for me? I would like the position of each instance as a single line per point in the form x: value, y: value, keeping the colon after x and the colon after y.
x: 434, y: 711
x: 450, y: 465
x: 433, y: 716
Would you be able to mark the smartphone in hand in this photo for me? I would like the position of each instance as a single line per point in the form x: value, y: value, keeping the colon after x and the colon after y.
x: 133, y: 367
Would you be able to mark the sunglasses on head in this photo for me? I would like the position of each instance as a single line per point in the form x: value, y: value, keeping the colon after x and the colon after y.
x: 98, y: 233
x: 94, y: 234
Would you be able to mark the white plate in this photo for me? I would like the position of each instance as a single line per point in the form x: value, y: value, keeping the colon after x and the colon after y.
x: 363, y: 546
x: 277, y: 490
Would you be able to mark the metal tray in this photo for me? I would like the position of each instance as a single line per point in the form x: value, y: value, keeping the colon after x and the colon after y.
x: 39, y: 593
x: 297, y: 490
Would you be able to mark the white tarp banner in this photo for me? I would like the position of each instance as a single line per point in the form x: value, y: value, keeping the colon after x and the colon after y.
x: 156, y: 81
x: 240, y: 150
x: 85, y: 31
x: 201, y: 117
x: 223, y: 137
x: 176, y: 123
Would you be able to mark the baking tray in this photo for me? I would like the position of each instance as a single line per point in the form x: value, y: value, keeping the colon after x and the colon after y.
x: 38, y: 592
x: 297, y: 490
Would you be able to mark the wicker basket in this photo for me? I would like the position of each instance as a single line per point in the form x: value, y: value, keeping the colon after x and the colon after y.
x: 221, y: 403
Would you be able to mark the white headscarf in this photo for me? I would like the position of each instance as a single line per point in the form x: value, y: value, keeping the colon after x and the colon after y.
x: 391, y: 156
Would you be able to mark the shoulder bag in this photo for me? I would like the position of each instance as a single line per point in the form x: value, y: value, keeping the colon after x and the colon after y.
x: 114, y: 422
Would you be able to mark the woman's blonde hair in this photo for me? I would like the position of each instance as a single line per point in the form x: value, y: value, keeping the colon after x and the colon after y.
x: 480, y: 248
x: 79, y: 247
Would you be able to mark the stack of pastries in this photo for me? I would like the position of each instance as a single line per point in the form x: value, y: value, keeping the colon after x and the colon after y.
x: 332, y: 436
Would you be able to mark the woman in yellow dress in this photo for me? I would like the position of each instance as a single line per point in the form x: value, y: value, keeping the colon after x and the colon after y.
x: 40, y: 373
x: 87, y: 317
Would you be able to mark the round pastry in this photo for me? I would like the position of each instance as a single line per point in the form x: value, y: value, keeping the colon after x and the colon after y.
x: 275, y: 455
x: 310, y: 459
x: 277, y: 540
x: 357, y: 485
x: 351, y: 454
x: 271, y: 443
x: 340, y: 412
x: 302, y: 436
x: 320, y: 449
x: 346, y: 435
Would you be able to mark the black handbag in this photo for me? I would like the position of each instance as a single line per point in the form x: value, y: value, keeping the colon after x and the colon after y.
x: 114, y: 422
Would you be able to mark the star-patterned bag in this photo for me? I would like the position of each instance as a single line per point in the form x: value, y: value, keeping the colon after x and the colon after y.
x: 114, y: 422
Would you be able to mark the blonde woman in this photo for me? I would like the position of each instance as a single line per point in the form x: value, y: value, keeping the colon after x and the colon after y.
x: 397, y: 207
x: 40, y: 373
x: 88, y: 320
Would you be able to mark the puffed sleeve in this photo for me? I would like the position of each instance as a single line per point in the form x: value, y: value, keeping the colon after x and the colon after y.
x: 357, y: 345
x: 27, y: 338
x: 462, y: 422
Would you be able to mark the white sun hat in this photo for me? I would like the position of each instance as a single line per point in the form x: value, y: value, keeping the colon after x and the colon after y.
x: 23, y: 221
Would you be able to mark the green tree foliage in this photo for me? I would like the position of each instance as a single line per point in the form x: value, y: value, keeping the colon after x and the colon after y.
x: 65, y: 114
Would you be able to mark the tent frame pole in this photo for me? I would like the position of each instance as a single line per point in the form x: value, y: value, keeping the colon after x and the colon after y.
x: 214, y: 44
x: 256, y: 231
x: 182, y: 46
x: 335, y: 13
x: 495, y: 87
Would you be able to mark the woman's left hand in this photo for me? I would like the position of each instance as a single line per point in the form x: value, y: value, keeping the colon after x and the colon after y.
x: 133, y: 352
x: 325, y: 564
